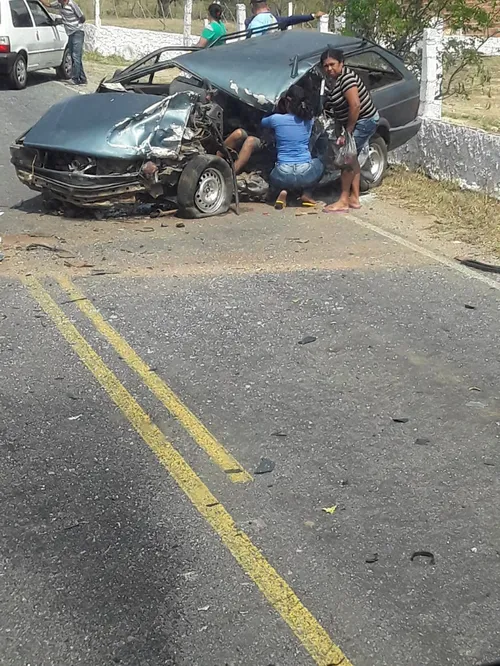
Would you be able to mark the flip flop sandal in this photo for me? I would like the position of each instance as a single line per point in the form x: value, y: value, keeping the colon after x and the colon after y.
x: 308, y: 204
x: 279, y: 205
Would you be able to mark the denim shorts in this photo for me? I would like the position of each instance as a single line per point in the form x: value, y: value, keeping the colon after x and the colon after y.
x: 364, y: 130
x: 296, y: 176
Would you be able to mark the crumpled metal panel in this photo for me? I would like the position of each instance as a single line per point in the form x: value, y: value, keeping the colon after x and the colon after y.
x: 114, y: 125
x: 157, y: 131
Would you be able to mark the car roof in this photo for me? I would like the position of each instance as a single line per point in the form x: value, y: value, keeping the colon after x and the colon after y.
x: 259, y: 70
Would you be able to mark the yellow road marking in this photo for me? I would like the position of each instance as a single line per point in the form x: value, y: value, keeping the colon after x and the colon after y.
x: 279, y: 594
x: 158, y: 387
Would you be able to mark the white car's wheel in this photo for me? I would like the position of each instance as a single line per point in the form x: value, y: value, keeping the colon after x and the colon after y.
x: 65, y: 69
x: 18, y: 76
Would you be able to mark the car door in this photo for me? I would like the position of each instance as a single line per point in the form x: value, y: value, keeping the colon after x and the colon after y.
x: 23, y: 32
x: 50, y: 44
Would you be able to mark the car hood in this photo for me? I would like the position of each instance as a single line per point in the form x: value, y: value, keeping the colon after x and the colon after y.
x: 258, y: 71
x: 114, y: 125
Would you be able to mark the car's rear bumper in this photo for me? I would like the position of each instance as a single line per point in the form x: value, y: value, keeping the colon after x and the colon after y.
x: 398, y: 136
x: 6, y: 62
x: 78, y: 188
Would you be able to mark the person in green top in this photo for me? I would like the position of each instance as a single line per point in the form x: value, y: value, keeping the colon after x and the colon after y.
x: 215, y: 29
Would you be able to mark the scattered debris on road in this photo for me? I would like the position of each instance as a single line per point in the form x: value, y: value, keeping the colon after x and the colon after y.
x: 479, y: 265
x: 425, y: 554
x: 371, y: 558
x: 75, y: 418
x: 308, y: 339
x: 265, y: 466
x: 329, y: 509
x: 474, y: 388
x: 180, y: 225
x: 469, y: 307
x: 278, y: 433
x: 400, y: 420
x: 422, y: 441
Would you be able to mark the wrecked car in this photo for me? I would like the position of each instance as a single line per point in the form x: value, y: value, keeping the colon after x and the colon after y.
x: 146, y: 136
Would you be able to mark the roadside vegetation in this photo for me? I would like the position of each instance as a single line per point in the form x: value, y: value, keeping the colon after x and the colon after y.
x: 472, y: 217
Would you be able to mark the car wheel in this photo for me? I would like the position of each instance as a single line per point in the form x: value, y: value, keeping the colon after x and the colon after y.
x: 65, y: 69
x: 377, y: 160
x: 205, y: 187
x: 19, y: 73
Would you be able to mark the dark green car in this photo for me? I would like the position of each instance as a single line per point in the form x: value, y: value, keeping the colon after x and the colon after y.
x: 150, y: 137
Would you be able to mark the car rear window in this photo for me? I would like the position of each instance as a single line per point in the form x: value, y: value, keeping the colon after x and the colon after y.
x: 20, y: 16
x: 374, y: 70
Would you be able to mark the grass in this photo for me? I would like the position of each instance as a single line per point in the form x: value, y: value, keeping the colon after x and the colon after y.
x: 472, y: 217
x: 481, y: 108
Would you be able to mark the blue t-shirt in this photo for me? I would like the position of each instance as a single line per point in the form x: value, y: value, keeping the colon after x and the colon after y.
x: 261, y: 20
x: 292, y: 137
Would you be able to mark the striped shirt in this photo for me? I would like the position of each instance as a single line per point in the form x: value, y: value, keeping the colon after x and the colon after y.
x: 336, y: 103
x: 71, y: 15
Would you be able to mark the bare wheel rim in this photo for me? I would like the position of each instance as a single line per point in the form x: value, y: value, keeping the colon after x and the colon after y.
x: 210, y: 192
x: 376, y: 161
x: 21, y: 71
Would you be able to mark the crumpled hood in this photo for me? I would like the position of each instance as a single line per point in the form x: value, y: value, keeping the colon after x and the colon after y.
x: 114, y: 125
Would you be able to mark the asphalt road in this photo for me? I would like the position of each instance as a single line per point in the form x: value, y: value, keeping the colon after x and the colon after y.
x: 135, y: 530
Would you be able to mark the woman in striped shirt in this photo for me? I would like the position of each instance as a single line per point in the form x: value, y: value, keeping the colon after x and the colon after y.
x: 350, y: 103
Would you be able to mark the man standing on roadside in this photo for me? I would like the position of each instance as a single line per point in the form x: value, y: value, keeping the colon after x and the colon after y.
x: 73, y: 20
x: 262, y: 18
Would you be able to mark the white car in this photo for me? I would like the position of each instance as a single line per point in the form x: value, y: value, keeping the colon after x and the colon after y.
x: 31, y: 39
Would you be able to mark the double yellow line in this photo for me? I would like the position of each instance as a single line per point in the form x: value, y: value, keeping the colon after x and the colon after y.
x: 279, y: 594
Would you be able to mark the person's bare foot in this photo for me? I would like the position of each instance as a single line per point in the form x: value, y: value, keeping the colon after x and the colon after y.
x: 339, y: 206
x: 354, y: 204
x: 307, y: 200
x: 280, y: 202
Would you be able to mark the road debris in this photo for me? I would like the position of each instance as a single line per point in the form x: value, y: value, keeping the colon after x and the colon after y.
x: 344, y: 482
x: 180, y: 225
x: 278, y: 433
x: 144, y: 229
x: 78, y: 264
x: 329, y: 509
x: 424, y: 553
x: 400, y: 420
x: 371, y: 558
x: 204, y: 608
x: 474, y: 388
x: 479, y: 265
x: 75, y: 418
x: 2, y: 256
x: 469, y: 307
x: 74, y: 300
x: 308, y: 339
x: 422, y: 441
x: 265, y: 466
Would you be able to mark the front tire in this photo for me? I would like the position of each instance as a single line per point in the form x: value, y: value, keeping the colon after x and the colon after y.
x: 18, y: 75
x: 205, y: 187
x: 65, y: 69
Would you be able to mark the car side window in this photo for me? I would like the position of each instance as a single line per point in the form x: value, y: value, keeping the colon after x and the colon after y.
x: 39, y: 14
x: 20, y: 14
x: 374, y: 70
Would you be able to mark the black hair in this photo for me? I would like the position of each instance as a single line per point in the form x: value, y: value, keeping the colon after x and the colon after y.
x: 215, y: 11
x: 298, y: 103
x: 335, y: 54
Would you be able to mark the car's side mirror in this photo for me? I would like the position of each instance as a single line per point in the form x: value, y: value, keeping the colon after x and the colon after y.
x: 58, y: 20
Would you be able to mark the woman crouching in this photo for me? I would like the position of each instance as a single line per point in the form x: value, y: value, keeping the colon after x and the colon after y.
x: 295, y: 170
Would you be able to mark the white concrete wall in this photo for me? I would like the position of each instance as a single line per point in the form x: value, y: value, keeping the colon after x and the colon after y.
x: 489, y: 48
x: 129, y: 43
x: 463, y: 155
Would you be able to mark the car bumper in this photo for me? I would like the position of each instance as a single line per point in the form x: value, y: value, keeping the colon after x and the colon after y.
x: 77, y: 188
x: 398, y: 136
x: 6, y: 62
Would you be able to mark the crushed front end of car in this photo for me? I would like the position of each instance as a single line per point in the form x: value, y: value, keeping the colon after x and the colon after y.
x: 89, y: 152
